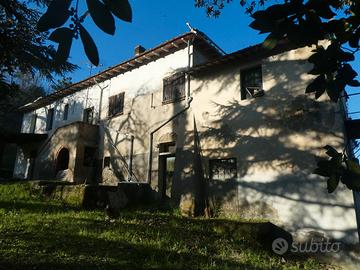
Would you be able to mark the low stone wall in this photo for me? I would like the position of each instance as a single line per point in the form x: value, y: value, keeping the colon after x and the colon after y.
x: 96, y: 196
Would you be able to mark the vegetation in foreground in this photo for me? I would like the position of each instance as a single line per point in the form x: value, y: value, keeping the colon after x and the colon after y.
x: 39, y: 234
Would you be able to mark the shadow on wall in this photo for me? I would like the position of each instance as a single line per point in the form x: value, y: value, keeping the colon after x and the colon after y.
x: 275, y: 139
x: 118, y: 131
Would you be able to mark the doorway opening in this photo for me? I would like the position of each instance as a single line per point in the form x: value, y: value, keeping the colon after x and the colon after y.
x: 62, y: 161
x: 166, y: 169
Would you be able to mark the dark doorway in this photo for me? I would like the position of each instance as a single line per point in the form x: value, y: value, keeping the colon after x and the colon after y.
x: 62, y: 161
x: 166, y: 170
x: 32, y: 165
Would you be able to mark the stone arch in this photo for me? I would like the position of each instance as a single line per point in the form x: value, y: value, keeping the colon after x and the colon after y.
x: 167, y: 138
x: 62, y: 159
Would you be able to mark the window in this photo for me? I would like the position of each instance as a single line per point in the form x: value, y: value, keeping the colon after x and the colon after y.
x: 89, y: 115
x: 116, y: 104
x: 50, y: 119
x: 174, y: 88
x: 167, y: 148
x: 89, y: 156
x: 66, y: 112
x: 223, y: 169
x: 107, y: 162
x: 33, y: 123
x: 251, y: 83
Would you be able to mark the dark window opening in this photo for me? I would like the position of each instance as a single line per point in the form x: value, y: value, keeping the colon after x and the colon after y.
x: 50, y: 119
x: 174, y: 88
x: 89, y: 156
x: 167, y: 148
x: 66, y: 112
x: 33, y: 123
x: 62, y: 161
x: 107, y: 162
x: 89, y: 115
x: 223, y: 169
x: 251, y: 83
x: 116, y: 104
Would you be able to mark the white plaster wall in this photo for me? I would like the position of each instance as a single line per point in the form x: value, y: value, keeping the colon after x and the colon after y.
x: 275, y: 149
x: 144, y: 80
x: 77, y: 103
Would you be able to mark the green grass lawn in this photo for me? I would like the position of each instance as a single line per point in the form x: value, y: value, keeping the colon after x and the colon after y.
x: 40, y: 234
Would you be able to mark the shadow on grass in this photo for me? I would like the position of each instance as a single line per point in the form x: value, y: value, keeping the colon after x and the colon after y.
x: 36, y: 207
x: 48, y: 235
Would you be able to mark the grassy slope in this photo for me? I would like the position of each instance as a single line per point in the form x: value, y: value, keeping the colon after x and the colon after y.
x: 36, y: 234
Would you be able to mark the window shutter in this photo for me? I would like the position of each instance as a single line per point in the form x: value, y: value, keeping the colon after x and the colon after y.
x: 174, y: 88
x: 116, y: 104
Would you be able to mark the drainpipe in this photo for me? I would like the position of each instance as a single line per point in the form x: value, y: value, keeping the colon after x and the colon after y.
x: 188, y: 102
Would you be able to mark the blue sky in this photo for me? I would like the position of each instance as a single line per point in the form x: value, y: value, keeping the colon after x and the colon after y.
x: 157, y: 21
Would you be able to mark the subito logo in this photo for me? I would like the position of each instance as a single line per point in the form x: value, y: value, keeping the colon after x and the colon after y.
x: 280, y: 246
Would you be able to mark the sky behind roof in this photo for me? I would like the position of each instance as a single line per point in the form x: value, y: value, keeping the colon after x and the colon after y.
x: 155, y: 22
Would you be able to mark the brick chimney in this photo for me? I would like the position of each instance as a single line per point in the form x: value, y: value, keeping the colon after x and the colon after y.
x: 139, y: 50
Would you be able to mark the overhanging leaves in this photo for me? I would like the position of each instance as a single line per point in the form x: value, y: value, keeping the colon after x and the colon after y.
x: 55, y: 16
x: 101, y: 16
x: 120, y: 8
x: 338, y: 169
x: 89, y: 46
x: 64, y: 37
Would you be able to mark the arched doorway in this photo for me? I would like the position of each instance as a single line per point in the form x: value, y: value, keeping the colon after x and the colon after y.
x: 62, y: 160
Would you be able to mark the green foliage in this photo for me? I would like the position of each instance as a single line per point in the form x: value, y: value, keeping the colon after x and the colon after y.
x: 24, y: 89
x: 40, y: 234
x: 338, y: 168
x: 213, y: 8
x: 101, y: 12
x: 23, y: 48
x: 305, y: 23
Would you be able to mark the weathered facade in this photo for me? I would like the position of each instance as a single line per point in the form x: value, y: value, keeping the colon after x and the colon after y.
x: 232, y: 133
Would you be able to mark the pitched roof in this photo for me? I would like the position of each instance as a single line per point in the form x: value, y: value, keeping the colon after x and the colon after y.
x: 197, y: 37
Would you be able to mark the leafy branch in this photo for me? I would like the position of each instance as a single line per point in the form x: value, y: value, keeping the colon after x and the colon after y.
x: 102, y: 13
x: 339, y: 168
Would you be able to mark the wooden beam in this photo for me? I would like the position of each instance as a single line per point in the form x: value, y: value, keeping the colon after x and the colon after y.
x: 185, y: 41
x: 175, y: 45
x: 155, y: 53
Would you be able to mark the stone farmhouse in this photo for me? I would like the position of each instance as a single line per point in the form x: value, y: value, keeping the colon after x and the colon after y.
x: 234, y: 133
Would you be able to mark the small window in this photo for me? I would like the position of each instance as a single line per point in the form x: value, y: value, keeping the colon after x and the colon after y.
x: 107, y: 162
x: 66, y: 112
x: 166, y: 148
x: 223, y: 169
x: 251, y: 83
x: 33, y: 123
x: 89, y: 115
x: 174, y: 88
x: 50, y: 119
x: 89, y: 156
x: 116, y: 104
